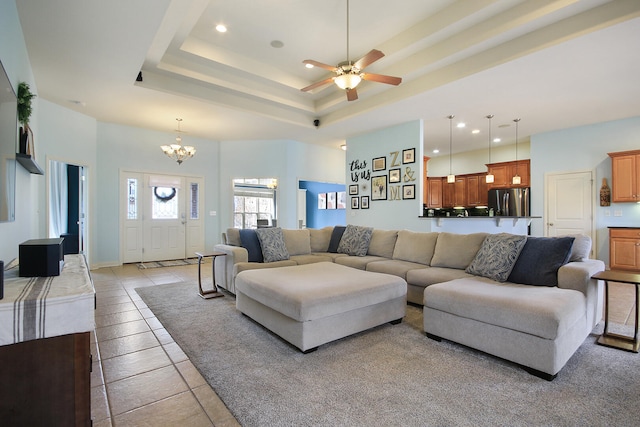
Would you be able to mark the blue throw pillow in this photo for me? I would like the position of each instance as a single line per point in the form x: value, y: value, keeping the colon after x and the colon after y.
x: 336, y: 235
x: 249, y: 241
x: 540, y: 260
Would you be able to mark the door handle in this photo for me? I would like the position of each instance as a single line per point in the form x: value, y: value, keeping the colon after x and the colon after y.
x: 550, y: 224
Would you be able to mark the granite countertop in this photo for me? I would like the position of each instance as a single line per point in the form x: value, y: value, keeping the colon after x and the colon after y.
x: 620, y: 226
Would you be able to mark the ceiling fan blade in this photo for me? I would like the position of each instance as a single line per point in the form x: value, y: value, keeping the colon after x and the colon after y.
x: 390, y: 80
x: 317, y: 84
x: 368, y: 59
x: 352, y: 94
x: 319, y: 64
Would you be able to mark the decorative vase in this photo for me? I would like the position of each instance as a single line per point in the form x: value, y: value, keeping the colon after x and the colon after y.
x: 605, y: 193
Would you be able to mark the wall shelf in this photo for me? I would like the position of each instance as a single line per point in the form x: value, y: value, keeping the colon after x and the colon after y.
x: 29, y: 163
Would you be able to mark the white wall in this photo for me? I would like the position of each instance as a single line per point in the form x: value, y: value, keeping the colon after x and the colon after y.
x: 14, y: 57
x: 585, y: 148
x: 388, y: 214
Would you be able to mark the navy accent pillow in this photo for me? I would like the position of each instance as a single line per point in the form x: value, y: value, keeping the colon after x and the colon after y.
x: 251, y: 243
x: 540, y: 260
x: 336, y: 235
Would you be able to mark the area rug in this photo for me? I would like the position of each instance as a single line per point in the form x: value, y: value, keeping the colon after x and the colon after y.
x: 170, y: 263
x: 391, y: 375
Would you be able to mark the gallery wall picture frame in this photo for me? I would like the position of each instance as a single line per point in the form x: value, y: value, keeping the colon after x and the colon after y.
x: 379, y: 187
x: 331, y: 200
x: 409, y: 192
x: 364, y: 202
x: 408, y: 156
x: 353, y: 190
x: 322, y: 200
x: 355, y: 203
x: 394, y: 175
x: 342, y: 200
x: 379, y: 164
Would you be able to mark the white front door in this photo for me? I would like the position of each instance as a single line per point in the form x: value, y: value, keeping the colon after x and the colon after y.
x: 569, y: 202
x: 162, y: 217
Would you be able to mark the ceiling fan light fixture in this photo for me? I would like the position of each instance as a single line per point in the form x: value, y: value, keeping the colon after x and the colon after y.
x: 347, y: 81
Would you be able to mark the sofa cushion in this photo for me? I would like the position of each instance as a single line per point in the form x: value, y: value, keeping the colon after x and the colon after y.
x: 298, y: 242
x: 320, y: 239
x: 456, y: 250
x: 310, y: 259
x: 233, y: 237
x: 581, y: 247
x: 497, y: 256
x: 540, y: 260
x: 249, y: 240
x: 336, y: 236
x: 543, y: 312
x: 415, y: 247
x: 359, y: 262
x: 355, y: 240
x: 429, y: 275
x: 395, y: 267
x: 272, y: 243
x: 382, y: 243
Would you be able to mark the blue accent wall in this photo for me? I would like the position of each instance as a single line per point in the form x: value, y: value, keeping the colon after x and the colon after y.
x: 318, y: 218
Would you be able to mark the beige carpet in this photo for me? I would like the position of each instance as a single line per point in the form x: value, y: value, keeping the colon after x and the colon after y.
x: 391, y: 375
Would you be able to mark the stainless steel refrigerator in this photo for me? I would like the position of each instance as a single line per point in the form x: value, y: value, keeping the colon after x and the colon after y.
x: 510, y: 201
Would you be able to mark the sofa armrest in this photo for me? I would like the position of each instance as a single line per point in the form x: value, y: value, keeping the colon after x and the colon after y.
x: 577, y: 276
x: 224, y: 265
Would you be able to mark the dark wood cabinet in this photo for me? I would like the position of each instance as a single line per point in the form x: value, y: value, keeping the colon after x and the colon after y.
x: 448, y: 189
x: 504, y: 172
x: 460, y: 192
x: 434, y: 192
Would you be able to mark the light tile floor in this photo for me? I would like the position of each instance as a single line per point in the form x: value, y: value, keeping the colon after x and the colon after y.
x: 141, y: 377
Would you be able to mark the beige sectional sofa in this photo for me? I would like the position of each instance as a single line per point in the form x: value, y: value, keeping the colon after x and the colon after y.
x: 539, y: 327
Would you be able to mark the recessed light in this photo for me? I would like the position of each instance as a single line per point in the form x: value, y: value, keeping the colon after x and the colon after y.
x: 221, y: 28
x: 308, y: 65
x: 496, y: 140
x: 436, y: 151
x: 460, y: 125
x: 475, y: 131
x: 277, y: 44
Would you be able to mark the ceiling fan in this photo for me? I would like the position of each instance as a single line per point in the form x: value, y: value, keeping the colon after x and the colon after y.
x: 349, y: 74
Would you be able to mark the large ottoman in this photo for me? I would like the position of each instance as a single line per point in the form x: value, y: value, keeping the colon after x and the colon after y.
x: 310, y: 305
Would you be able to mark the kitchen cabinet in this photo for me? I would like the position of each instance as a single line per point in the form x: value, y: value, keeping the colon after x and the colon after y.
x: 447, y: 193
x: 434, y: 192
x: 460, y: 191
x: 477, y: 190
x: 624, y: 249
x: 625, y: 167
x: 504, y: 172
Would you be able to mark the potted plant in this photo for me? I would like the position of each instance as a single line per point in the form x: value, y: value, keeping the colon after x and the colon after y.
x: 24, y: 113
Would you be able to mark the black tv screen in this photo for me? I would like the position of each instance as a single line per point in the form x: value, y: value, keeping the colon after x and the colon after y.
x: 8, y: 142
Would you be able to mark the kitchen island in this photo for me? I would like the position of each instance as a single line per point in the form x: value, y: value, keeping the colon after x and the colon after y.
x: 478, y: 224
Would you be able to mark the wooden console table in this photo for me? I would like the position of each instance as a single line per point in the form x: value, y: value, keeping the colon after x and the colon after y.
x: 616, y: 340
x: 45, y: 353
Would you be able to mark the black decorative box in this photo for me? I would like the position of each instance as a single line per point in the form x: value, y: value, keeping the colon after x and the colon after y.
x: 41, y: 257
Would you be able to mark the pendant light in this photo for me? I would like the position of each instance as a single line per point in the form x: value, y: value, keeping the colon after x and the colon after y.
x: 516, y: 177
x: 489, y: 178
x: 177, y: 151
x: 451, y: 178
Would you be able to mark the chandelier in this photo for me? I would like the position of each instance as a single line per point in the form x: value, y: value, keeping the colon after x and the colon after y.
x: 177, y: 151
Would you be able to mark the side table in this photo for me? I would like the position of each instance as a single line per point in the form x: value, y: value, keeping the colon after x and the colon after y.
x: 213, y: 293
x: 616, y: 340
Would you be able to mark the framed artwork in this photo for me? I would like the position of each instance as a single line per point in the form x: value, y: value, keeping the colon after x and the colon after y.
x: 408, y: 156
x: 379, y: 164
x: 408, y: 191
x: 353, y: 189
x: 331, y: 200
x: 322, y: 200
x: 342, y: 200
x: 394, y: 175
x: 379, y: 187
x: 355, y: 203
x: 364, y: 202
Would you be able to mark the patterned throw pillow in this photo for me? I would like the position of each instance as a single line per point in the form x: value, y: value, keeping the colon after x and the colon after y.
x: 497, y: 256
x: 272, y: 243
x: 355, y: 240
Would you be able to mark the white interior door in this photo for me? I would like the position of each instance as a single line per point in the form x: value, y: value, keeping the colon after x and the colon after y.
x: 162, y: 217
x: 570, y: 201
